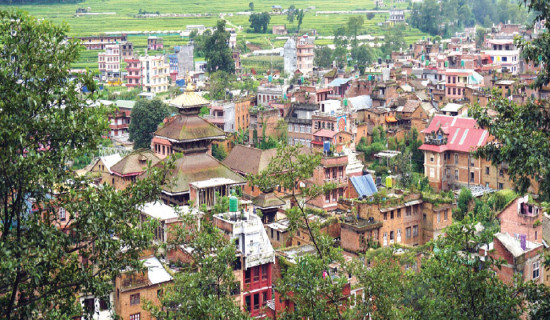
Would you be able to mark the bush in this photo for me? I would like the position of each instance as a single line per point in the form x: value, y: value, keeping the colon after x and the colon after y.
x: 464, y: 198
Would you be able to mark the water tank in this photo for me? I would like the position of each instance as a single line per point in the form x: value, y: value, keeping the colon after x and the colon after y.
x: 233, y: 204
x: 326, y: 146
x: 270, y: 78
x: 388, y: 182
x: 345, y: 102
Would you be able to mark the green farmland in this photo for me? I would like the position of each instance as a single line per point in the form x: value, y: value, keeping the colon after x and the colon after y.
x: 126, y: 11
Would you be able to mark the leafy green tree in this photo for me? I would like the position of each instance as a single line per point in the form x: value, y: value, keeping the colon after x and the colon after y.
x: 219, y: 82
x: 300, y: 18
x: 251, y: 6
x: 480, y: 36
x: 362, y: 54
x: 323, y: 56
x: 303, y: 283
x: 340, y: 38
x: 370, y: 15
x: 144, y: 121
x: 259, y: 21
x: 354, y: 26
x: 219, y: 152
x: 46, y: 122
x: 340, y: 55
x: 291, y: 14
x: 203, y: 289
x: 463, y: 203
x: 216, y: 51
x: 393, y: 40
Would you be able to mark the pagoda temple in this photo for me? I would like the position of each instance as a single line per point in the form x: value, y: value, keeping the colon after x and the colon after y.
x: 197, y: 175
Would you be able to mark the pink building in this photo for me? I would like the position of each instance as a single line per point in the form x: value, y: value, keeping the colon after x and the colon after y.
x: 154, y: 43
x: 456, y: 80
x: 133, y: 77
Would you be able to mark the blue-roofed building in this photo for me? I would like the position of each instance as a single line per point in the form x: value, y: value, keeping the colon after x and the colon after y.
x: 339, y: 86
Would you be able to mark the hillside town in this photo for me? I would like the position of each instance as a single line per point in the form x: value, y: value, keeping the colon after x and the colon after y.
x: 267, y: 178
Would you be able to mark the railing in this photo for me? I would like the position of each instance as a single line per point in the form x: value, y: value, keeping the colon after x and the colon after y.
x: 435, y: 141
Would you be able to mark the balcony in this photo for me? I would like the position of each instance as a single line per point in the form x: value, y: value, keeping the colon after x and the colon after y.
x: 436, y: 141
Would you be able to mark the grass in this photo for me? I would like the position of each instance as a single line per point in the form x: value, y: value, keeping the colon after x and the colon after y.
x: 126, y: 10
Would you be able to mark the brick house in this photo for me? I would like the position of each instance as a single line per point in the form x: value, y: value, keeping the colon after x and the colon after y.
x: 133, y: 289
x: 258, y: 257
x: 154, y: 43
x: 448, y: 163
x: 522, y: 257
x: 102, y: 167
x: 403, y: 218
x: 129, y: 168
x: 263, y: 121
x: 119, y: 121
x: 331, y: 170
x: 520, y: 218
x: 299, y: 120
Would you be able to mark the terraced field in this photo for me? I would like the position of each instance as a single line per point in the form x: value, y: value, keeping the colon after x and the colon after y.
x: 125, y: 19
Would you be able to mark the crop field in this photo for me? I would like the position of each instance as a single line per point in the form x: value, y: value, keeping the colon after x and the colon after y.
x: 205, y: 13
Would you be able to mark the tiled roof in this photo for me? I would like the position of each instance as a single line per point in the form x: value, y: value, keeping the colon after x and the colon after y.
x: 134, y: 163
x: 249, y: 160
x: 189, y: 128
x: 411, y: 105
x: 267, y: 200
x: 325, y: 133
x: 194, y: 168
x: 463, y: 134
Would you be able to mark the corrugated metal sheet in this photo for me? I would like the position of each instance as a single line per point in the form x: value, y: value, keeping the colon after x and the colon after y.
x: 364, y: 185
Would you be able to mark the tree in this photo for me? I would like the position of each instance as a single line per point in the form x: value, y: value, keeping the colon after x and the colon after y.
x: 291, y: 14
x: 340, y: 56
x: 219, y: 82
x: 480, y: 36
x: 303, y: 283
x: 463, y: 203
x: 393, y: 40
x: 251, y: 6
x: 340, y: 38
x: 144, y: 121
x: 216, y: 51
x: 362, y: 54
x: 300, y: 18
x: 203, y: 289
x: 259, y: 21
x: 46, y: 121
x: 524, y: 147
x: 323, y: 57
x: 354, y: 25
x: 370, y: 15
x: 218, y: 152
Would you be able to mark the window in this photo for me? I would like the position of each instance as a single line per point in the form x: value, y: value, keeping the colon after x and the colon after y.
x: 500, y: 186
x: 536, y: 270
x: 247, y: 276
x: 438, y: 217
x: 134, y: 299
x: 256, y: 301
x: 264, y: 298
x: 256, y: 274
x: 415, y: 231
x: 264, y: 271
x: 456, y: 174
x: 62, y: 214
x: 271, y: 233
x: 135, y: 316
x: 456, y: 158
x: 431, y: 158
x: 327, y: 173
x: 501, y: 173
x: 487, y: 170
x: 446, y: 215
x: 408, y: 211
x: 103, y: 305
x: 277, y: 235
x: 398, y: 213
x: 248, y: 304
x: 391, y: 235
x: 391, y: 214
x: 408, y: 232
x: 385, y: 216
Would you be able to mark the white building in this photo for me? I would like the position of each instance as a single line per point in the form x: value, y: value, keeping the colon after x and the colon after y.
x: 503, y: 52
x: 109, y: 61
x: 155, y: 71
x: 289, y: 55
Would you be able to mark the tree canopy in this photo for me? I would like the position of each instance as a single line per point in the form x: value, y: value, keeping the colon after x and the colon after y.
x: 259, y: 21
x: 144, y: 121
x: 59, y: 236
x: 216, y: 51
